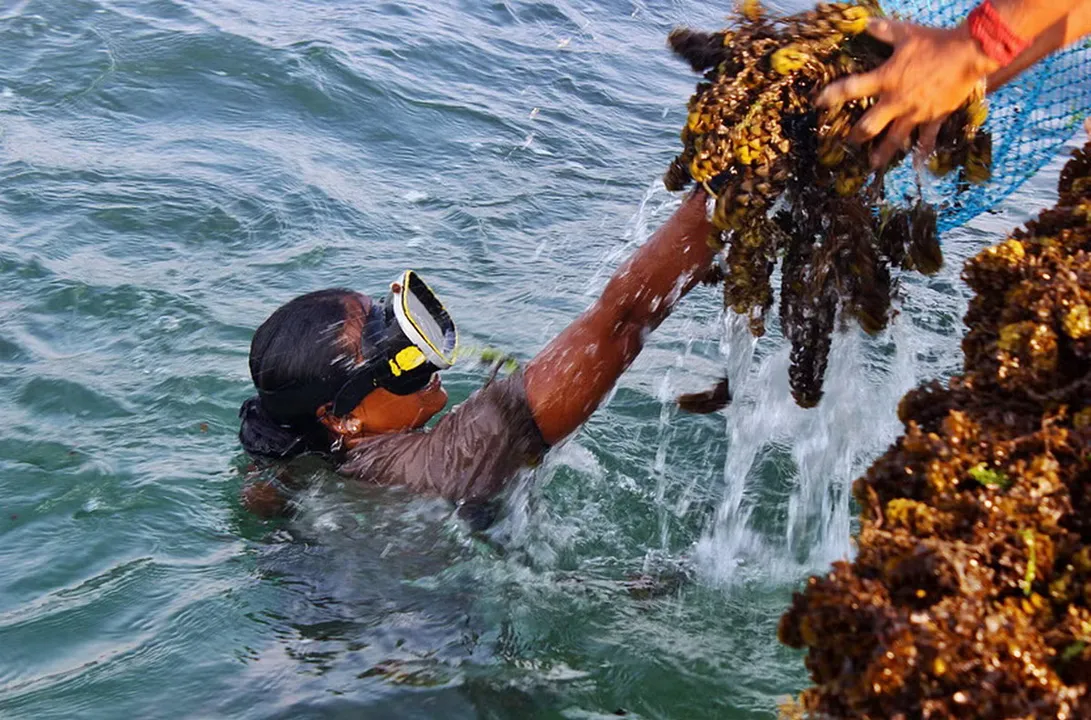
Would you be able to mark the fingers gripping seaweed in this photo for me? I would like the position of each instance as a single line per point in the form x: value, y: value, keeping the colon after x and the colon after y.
x: 790, y: 188
x: 970, y: 595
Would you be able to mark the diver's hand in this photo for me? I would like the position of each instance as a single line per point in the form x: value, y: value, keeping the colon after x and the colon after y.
x: 932, y: 72
x: 265, y: 499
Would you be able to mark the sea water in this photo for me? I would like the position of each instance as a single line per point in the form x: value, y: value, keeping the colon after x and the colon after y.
x: 173, y: 170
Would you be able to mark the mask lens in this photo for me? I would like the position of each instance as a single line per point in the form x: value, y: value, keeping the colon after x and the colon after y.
x: 428, y: 325
x: 429, y: 320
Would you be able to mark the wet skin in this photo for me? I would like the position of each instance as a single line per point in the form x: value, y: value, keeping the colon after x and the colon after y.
x: 382, y: 412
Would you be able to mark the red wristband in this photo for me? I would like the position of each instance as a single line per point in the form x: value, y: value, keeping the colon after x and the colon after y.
x: 998, y: 41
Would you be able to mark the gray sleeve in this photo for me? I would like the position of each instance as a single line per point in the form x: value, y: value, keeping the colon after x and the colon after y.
x: 470, y: 454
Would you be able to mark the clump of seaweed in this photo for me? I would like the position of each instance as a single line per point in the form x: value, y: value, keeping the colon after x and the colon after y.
x: 788, y: 184
x: 970, y: 596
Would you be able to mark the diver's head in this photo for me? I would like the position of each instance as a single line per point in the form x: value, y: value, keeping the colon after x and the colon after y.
x: 334, y: 366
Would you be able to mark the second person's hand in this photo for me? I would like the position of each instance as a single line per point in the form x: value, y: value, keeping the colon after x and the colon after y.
x: 932, y: 73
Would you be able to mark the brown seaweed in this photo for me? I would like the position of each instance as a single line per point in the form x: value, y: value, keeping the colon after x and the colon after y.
x: 756, y: 141
x: 970, y: 595
x: 703, y: 403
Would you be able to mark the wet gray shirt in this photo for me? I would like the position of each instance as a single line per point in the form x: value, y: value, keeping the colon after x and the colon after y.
x: 468, y: 456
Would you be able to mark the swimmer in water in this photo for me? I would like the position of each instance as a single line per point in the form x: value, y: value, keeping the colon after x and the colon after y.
x: 341, y: 373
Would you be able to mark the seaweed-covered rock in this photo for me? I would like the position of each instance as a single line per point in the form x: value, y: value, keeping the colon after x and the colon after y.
x: 970, y: 595
x: 788, y: 185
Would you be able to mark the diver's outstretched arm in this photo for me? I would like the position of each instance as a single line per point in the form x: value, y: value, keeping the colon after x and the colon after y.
x: 568, y: 379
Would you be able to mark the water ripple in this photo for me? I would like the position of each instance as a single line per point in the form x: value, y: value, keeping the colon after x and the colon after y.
x: 173, y: 170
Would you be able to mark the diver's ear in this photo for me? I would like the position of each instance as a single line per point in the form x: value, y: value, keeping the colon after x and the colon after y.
x: 339, y: 426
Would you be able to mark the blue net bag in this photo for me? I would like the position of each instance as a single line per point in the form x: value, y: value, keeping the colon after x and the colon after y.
x: 1031, y: 119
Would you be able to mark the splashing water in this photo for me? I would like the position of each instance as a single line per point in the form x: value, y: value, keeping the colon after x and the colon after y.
x: 786, y: 510
x: 788, y: 470
x: 157, y: 210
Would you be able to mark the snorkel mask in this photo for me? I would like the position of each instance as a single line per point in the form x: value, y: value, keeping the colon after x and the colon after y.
x: 409, y: 337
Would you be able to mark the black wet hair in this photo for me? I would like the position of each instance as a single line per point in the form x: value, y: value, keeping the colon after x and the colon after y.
x: 297, y: 363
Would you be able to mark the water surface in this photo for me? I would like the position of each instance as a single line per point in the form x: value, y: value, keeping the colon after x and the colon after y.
x: 173, y: 170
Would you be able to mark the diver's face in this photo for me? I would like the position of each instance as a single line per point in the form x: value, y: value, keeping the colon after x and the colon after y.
x: 381, y: 411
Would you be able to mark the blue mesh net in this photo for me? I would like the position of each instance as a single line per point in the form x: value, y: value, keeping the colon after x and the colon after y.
x: 1030, y: 119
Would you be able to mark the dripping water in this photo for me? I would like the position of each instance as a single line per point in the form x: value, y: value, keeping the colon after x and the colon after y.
x: 785, y: 506
x: 781, y: 489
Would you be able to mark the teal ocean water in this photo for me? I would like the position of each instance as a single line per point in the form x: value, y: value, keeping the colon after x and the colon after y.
x: 173, y: 170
